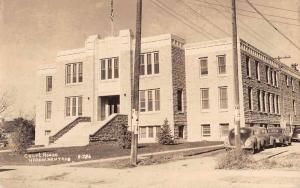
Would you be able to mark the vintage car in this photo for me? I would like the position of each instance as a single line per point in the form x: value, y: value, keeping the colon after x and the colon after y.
x: 248, y: 140
x: 296, y: 134
x: 263, y: 138
x: 280, y: 136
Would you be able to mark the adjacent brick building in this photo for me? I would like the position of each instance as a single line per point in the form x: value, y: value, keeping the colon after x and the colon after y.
x: 88, y: 91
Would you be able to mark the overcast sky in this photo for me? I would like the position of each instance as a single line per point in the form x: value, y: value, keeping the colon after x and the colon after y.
x: 32, y: 31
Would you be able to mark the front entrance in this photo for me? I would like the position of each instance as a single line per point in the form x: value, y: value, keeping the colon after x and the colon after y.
x: 180, y: 131
x: 108, y: 105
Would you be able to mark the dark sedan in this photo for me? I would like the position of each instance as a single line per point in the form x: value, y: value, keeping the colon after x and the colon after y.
x: 279, y: 135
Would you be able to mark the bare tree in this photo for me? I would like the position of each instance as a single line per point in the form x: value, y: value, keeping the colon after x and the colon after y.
x: 5, y: 102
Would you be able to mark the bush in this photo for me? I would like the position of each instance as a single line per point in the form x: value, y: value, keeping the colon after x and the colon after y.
x: 234, y: 159
x: 124, y: 137
x: 165, y: 135
x: 23, y: 135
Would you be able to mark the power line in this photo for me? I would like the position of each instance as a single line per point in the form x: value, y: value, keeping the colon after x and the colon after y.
x: 286, y: 37
x: 207, y: 20
x: 183, y: 20
x: 271, y: 15
x: 272, y: 7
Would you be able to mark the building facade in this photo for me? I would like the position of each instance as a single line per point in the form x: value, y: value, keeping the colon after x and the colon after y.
x: 190, y: 85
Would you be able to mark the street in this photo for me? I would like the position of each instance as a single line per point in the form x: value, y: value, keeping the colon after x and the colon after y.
x: 198, y: 171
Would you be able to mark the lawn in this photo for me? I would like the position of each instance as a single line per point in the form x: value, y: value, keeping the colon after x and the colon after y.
x: 51, y: 156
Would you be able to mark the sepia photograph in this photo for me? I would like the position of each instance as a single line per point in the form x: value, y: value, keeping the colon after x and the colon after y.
x: 149, y: 93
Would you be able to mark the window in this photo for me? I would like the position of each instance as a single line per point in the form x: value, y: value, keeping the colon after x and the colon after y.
x: 73, y: 106
x: 48, y: 109
x: 248, y: 66
x: 48, y: 83
x: 73, y: 73
x: 292, y: 84
x: 294, y: 107
x: 179, y: 100
x: 109, y: 71
x: 149, y: 64
x: 267, y: 74
x: 278, y: 104
x: 142, y: 101
x: 148, y: 98
x: 116, y: 68
x: 68, y: 73
x: 150, y: 132
x: 250, y: 98
x: 287, y: 80
x: 258, y: 100
x: 156, y: 63
x: 224, y: 129
x: 205, y: 129
x: 47, y: 132
x: 142, y: 65
x: 204, y: 98
x: 103, y: 70
x: 271, y: 77
x: 203, y: 67
x: 263, y: 102
x: 274, y: 103
x: 109, y: 68
x: 275, y: 79
x: 223, y: 97
x: 143, y: 132
x: 150, y: 101
x: 80, y: 72
x: 268, y: 101
x: 222, y: 64
x: 257, y: 70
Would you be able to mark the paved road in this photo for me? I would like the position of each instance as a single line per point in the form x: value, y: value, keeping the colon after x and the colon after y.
x: 196, y: 172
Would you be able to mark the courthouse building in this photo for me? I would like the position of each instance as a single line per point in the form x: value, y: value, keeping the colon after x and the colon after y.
x: 87, y: 92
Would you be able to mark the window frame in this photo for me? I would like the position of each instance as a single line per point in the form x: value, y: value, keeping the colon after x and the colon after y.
x: 204, y: 100
x: 220, y: 99
x: 201, y: 60
x: 203, y: 134
x: 49, y: 85
x: 220, y: 66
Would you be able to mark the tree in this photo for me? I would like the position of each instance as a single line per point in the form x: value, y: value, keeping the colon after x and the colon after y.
x: 165, y: 134
x: 4, y: 104
x: 23, y: 136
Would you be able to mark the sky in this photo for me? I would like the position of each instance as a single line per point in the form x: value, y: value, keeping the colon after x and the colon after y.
x: 33, y: 31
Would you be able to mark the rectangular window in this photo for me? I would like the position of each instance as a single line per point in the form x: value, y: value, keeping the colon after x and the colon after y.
x: 150, y: 132
x: 292, y: 84
x: 250, y: 98
x: 103, y: 69
x: 294, y: 107
x: 278, y: 104
x: 142, y: 65
x: 287, y: 80
x: 263, y: 102
x: 267, y: 74
x: 142, y: 132
x: 149, y: 64
x: 269, y: 104
x: 204, y: 98
x: 48, y: 83
x: 248, y: 66
x: 80, y: 72
x: 68, y: 106
x: 257, y: 70
x: 74, y: 72
x: 109, y: 69
x: 203, y: 67
x: 73, y: 106
x: 48, y: 109
x: 79, y: 106
x: 258, y: 100
x: 156, y: 63
x: 274, y: 103
x: 179, y: 100
x: 205, y: 129
x: 68, y: 73
x: 150, y: 101
x: 271, y: 77
x: 224, y: 129
x: 142, y: 101
x: 223, y: 97
x: 157, y: 100
x: 116, y: 67
x: 222, y: 64
x: 275, y: 79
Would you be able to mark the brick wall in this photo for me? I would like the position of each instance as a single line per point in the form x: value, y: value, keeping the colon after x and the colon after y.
x: 179, y: 82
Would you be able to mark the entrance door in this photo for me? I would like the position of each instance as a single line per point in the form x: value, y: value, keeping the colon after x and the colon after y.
x: 180, y: 131
x: 109, y: 105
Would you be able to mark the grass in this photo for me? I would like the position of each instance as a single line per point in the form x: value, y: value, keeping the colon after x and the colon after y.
x: 93, y: 151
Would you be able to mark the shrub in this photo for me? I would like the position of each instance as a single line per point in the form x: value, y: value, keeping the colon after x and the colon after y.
x: 124, y: 137
x: 235, y: 159
x: 165, y: 135
x: 23, y: 135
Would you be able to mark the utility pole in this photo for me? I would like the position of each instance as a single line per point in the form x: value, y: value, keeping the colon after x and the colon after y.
x: 136, y: 77
x: 236, y: 78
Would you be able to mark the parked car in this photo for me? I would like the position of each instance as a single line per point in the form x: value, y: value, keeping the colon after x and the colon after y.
x: 296, y: 134
x: 263, y: 138
x: 280, y: 136
x: 248, y: 140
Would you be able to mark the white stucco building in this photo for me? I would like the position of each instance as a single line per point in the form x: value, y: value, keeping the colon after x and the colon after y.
x: 190, y: 85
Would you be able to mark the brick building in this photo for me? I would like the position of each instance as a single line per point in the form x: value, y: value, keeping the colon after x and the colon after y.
x: 86, y: 94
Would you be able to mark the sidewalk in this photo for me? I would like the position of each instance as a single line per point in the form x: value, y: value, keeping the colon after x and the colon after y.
x: 210, y: 149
